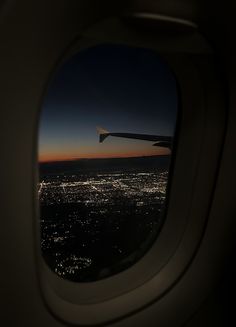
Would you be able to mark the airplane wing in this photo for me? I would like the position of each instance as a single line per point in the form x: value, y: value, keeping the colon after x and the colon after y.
x: 159, y: 140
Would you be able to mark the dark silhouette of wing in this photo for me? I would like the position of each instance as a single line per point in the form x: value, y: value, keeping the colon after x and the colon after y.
x: 160, y: 140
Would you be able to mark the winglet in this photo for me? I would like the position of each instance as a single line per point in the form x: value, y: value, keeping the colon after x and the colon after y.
x: 103, y: 133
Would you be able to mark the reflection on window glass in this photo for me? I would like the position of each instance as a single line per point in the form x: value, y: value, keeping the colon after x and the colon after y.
x: 105, y: 139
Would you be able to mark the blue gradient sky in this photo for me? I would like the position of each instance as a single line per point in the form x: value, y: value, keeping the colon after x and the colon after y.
x: 120, y: 88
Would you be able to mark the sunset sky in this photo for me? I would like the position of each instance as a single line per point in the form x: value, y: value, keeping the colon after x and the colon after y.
x: 119, y: 88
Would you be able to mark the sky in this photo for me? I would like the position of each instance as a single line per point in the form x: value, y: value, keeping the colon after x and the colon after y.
x: 121, y: 89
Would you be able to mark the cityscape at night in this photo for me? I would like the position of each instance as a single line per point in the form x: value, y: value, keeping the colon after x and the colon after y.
x: 95, y: 224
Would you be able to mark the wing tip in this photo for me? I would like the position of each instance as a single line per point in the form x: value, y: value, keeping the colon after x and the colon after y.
x: 102, y: 132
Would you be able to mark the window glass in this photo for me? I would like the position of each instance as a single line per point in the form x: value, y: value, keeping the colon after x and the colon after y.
x: 105, y: 140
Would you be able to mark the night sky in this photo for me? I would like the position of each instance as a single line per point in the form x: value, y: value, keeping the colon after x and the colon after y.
x: 119, y: 88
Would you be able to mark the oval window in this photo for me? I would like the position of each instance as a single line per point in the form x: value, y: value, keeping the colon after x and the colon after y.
x: 106, y: 133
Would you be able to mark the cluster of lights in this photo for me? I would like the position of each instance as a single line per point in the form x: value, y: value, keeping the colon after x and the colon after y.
x: 103, y: 195
x: 71, y: 265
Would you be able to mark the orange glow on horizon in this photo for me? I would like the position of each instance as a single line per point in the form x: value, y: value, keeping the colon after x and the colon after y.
x: 44, y: 158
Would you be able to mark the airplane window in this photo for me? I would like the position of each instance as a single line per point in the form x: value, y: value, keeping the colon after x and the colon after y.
x: 105, y: 141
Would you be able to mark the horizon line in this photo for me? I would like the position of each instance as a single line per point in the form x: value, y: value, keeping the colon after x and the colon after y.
x: 120, y: 157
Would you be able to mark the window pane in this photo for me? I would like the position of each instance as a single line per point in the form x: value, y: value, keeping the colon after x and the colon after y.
x: 106, y: 132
